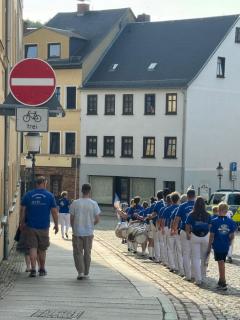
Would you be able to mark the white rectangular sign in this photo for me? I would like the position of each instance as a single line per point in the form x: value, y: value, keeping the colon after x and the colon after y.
x: 33, y: 119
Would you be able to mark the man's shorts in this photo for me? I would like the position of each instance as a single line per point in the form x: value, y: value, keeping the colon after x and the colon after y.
x: 37, y: 238
x: 220, y: 256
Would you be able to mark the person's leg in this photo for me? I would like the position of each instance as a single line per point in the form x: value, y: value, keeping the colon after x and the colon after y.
x: 171, y: 251
x: 179, y: 255
x: 144, y: 246
x: 28, y: 262
x: 33, y: 253
x: 42, y: 261
x: 221, y: 269
x: 62, y: 223
x: 204, y: 262
x: 186, y: 251
x: 67, y: 223
x: 77, y: 243
x: 196, y: 257
x: 156, y: 246
x: 87, y: 247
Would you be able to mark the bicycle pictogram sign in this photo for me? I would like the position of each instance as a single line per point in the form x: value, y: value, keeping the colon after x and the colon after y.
x: 32, y: 116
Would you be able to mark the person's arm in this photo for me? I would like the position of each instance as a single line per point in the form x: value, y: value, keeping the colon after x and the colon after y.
x: 22, y: 218
x: 54, y: 213
x: 72, y: 220
x: 211, y: 238
x: 188, y: 230
x: 176, y: 223
x: 97, y: 219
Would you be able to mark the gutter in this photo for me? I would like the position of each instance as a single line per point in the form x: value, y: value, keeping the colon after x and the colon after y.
x: 183, y: 139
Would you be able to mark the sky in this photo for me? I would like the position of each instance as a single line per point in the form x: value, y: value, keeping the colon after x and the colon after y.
x: 158, y: 9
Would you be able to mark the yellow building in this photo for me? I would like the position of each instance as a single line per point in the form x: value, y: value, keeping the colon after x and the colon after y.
x: 11, y: 27
x: 73, y: 43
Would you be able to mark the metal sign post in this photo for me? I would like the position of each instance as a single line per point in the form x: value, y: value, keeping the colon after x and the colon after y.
x: 233, y: 173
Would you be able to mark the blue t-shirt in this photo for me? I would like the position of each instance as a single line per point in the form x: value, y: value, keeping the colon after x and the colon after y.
x: 38, y: 203
x: 134, y: 211
x: 167, y: 214
x: 183, y: 211
x: 199, y: 228
x: 63, y: 204
x: 160, y: 213
x: 222, y: 227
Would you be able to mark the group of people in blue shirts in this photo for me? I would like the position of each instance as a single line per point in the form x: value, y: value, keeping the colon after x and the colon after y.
x: 181, y: 233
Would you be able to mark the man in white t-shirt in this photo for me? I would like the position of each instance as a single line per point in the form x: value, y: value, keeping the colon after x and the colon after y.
x: 84, y: 216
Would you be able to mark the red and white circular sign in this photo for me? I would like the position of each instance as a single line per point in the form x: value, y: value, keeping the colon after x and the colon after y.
x: 32, y: 82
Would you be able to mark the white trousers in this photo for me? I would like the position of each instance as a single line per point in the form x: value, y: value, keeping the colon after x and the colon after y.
x: 64, y: 220
x: 179, y: 256
x: 171, y: 250
x: 230, y: 251
x: 157, y: 245
x: 186, y: 253
x: 199, y: 246
x: 165, y: 246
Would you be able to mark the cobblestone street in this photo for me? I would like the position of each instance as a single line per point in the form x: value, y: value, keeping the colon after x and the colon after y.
x: 122, y: 285
x: 190, y: 301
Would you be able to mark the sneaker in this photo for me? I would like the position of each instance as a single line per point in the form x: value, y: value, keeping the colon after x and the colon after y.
x: 86, y: 276
x: 42, y: 272
x: 28, y: 270
x: 134, y: 251
x: 229, y: 260
x: 33, y: 273
x: 222, y: 286
x: 80, y: 276
x: 66, y: 235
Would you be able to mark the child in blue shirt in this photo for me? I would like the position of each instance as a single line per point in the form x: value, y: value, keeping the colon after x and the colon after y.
x: 221, y: 236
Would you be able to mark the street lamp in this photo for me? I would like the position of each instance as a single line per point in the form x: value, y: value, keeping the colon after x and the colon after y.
x: 33, y: 142
x: 219, y: 173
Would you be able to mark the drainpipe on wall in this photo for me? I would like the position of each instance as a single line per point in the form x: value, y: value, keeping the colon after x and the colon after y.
x: 6, y: 139
x: 183, y: 138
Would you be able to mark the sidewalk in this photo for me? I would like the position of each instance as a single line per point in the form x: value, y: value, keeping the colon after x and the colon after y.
x: 114, y: 291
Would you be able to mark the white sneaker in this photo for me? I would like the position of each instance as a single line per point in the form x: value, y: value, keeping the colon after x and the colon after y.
x: 86, y: 276
x: 80, y: 276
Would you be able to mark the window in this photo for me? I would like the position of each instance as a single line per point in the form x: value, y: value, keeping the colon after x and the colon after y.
x: 127, y: 147
x: 149, y: 104
x: 71, y: 98
x: 128, y: 104
x: 152, y: 66
x: 148, y: 147
x: 31, y: 51
x: 113, y: 67
x: 109, y: 104
x: 92, y: 104
x: 237, y: 35
x: 109, y: 146
x: 58, y: 93
x: 170, y: 147
x: 169, y: 185
x: 70, y: 142
x: 54, y: 50
x: 54, y: 143
x: 171, y: 103
x: 220, y: 67
x: 91, y: 146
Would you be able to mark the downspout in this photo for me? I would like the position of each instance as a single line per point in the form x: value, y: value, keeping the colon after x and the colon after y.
x: 183, y: 139
x: 6, y: 139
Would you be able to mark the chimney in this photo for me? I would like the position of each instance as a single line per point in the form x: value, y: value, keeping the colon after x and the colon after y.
x: 82, y: 7
x: 143, y: 18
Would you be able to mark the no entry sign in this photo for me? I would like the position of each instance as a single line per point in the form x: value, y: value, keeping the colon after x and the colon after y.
x: 32, y: 82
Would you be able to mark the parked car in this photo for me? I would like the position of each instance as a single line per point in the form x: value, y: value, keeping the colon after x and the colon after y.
x: 231, y: 197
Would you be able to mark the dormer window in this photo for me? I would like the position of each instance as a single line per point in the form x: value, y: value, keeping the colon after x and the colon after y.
x: 113, y: 67
x: 152, y: 66
x: 237, y: 35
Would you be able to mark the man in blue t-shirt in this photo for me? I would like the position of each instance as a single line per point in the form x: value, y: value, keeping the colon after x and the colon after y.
x: 221, y: 237
x: 36, y: 207
x: 179, y: 225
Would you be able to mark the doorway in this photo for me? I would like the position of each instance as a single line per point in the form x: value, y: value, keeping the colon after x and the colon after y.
x: 123, y: 188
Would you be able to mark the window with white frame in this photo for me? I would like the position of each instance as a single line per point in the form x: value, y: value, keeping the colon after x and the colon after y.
x: 54, y: 142
x: 149, y: 104
x: 170, y: 147
x: 171, y: 103
x: 91, y: 146
x: 237, y: 35
x: 70, y: 142
x: 71, y: 98
x: 220, y: 67
x: 148, y: 147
